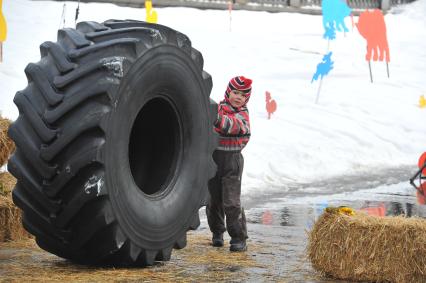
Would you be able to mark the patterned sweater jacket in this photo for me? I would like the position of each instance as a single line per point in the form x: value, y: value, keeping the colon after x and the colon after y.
x: 233, y: 126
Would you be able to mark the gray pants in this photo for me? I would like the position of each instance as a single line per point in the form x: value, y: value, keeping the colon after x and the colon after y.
x: 225, y: 192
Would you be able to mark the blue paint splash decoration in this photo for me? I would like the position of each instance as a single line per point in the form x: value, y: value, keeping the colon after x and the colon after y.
x: 334, y: 13
x: 324, y: 67
x: 330, y: 33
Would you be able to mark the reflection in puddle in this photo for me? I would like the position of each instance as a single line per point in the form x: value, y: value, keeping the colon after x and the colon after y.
x: 305, y: 215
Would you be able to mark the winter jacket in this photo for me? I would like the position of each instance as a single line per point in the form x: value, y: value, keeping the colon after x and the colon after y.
x: 233, y: 126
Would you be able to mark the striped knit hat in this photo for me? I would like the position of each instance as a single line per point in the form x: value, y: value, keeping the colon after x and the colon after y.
x: 239, y: 83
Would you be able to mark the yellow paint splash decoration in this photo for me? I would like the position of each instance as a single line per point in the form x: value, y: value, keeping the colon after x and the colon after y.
x: 422, y: 101
x: 3, y: 31
x: 151, y: 14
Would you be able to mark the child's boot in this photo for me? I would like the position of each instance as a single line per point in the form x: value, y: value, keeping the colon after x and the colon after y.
x: 217, y: 240
x: 238, y: 245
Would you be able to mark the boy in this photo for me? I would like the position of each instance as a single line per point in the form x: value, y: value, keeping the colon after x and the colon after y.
x: 233, y: 126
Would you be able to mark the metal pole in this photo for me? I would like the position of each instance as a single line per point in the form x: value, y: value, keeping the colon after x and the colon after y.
x: 63, y: 16
x: 319, y: 90
x: 387, y: 68
x: 77, y: 11
x: 230, y: 7
x: 371, y: 75
x: 320, y: 84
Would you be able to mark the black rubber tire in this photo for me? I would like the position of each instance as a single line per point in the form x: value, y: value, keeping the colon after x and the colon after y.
x: 114, y: 143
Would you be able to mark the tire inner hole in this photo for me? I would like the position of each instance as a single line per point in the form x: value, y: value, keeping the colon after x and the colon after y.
x: 153, y: 146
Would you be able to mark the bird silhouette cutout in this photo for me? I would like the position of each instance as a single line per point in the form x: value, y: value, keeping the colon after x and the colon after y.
x: 3, y: 26
x: 422, y: 101
x: 324, y: 67
x: 151, y: 14
x: 371, y: 25
x: 271, y: 105
x: 334, y: 13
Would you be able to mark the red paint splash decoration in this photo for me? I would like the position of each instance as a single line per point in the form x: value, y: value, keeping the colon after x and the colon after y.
x: 371, y: 25
x: 271, y: 105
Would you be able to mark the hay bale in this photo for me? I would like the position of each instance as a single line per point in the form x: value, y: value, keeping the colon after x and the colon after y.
x: 7, y: 146
x: 368, y: 248
x: 7, y: 182
x: 11, y: 228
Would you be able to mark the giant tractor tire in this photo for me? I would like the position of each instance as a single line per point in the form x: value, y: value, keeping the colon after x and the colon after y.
x: 114, y: 143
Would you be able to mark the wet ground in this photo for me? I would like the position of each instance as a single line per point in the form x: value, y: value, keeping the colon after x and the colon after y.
x: 277, y: 227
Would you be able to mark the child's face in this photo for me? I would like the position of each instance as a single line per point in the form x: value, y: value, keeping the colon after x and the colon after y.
x: 237, y: 98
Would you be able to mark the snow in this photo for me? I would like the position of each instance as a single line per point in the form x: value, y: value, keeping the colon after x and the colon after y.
x: 358, y: 127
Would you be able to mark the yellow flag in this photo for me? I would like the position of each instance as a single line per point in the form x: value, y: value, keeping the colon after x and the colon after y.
x: 151, y: 14
x: 152, y: 17
x: 422, y: 102
x: 3, y: 26
x: 148, y: 6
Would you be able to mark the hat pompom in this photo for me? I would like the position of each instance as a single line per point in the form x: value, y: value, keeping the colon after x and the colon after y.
x: 247, y: 82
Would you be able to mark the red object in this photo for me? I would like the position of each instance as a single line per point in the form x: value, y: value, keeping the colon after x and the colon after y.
x: 267, y: 218
x: 422, y: 161
x: 371, y: 25
x: 421, y: 197
x: 271, y: 105
x: 375, y: 210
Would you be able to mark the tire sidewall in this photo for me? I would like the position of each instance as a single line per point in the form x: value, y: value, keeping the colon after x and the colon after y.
x: 157, y: 220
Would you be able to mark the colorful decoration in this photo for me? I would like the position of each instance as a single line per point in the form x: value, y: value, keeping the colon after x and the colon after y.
x: 323, y: 68
x: 271, y: 105
x: 371, y: 25
x: 418, y: 180
x: 151, y: 14
x: 377, y: 210
x: 421, y: 189
x: 3, y: 31
x: 422, y: 162
x: 421, y: 199
x: 422, y: 101
x: 334, y: 13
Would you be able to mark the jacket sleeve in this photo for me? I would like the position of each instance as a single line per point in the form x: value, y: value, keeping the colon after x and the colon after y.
x: 237, y: 124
